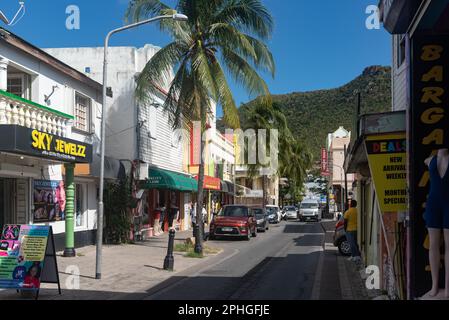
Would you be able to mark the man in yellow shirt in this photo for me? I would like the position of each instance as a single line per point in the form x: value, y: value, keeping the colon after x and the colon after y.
x: 351, y: 230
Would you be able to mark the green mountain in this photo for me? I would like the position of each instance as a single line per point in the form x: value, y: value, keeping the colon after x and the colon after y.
x: 312, y: 115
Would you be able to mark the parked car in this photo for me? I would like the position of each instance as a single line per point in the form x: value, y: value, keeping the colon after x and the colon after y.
x: 234, y: 221
x: 274, y: 214
x: 290, y: 213
x: 340, y: 240
x: 310, y: 210
x: 262, y: 219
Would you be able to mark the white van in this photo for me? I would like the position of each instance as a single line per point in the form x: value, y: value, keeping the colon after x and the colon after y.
x: 310, y: 210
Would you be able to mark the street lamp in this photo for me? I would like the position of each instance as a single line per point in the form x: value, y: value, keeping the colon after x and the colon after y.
x: 175, y: 17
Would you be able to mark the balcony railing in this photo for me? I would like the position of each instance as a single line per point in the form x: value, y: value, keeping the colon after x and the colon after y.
x: 15, y: 110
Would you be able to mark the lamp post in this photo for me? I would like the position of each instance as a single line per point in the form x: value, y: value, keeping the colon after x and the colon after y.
x: 176, y: 17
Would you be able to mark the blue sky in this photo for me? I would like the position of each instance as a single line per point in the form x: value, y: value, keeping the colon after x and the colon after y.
x: 317, y: 44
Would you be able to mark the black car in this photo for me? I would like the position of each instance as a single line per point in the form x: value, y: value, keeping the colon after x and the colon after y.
x: 262, y: 219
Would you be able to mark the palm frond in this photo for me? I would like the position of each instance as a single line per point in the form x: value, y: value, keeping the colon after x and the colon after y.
x: 158, y: 71
x: 244, y: 74
x: 139, y: 10
x: 225, y: 98
x: 247, y: 15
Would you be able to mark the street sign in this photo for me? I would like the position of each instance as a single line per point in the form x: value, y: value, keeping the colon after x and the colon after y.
x: 324, y: 163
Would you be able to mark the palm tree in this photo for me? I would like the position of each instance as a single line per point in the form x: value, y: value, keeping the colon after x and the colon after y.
x: 294, y: 158
x: 220, y: 37
x: 267, y: 117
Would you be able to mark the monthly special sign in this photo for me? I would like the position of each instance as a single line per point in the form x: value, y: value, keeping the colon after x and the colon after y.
x: 27, y: 141
x: 429, y: 131
x: 22, y: 255
x: 387, y: 160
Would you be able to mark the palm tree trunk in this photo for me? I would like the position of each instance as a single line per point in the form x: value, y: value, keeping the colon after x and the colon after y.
x: 199, y: 210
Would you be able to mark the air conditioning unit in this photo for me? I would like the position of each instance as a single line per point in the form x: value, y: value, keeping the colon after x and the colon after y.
x: 142, y: 171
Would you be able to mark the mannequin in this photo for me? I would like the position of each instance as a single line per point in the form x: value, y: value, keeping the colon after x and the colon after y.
x: 437, y: 217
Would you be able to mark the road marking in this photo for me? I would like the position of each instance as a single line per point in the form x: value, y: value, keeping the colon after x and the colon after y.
x: 243, y: 288
x: 196, y: 274
x: 316, y: 290
x: 236, y: 251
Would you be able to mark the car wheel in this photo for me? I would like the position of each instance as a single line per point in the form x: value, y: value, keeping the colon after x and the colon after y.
x: 212, y: 237
x: 344, y: 247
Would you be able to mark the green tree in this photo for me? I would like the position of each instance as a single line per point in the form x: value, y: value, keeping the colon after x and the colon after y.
x: 220, y: 38
x: 294, y: 159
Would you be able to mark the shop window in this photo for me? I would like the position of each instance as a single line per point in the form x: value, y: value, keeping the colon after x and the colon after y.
x: 152, y: 122
x: 79, y: 205
x: 19, y: 84
x: 82, y: 112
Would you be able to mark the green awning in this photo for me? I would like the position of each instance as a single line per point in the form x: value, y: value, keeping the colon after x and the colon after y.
x: 164, y: 179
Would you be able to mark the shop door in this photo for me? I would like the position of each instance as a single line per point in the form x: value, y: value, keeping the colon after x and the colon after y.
x: 7, y: 207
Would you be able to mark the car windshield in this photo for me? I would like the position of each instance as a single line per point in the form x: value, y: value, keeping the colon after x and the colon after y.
x: 234, y: 212
x: 258, y: 212
x: 271, y: 210
x: 309, y: 205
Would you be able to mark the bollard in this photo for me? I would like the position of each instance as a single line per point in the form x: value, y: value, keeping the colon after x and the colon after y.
x: 169, y: 259
x: 198, y: 235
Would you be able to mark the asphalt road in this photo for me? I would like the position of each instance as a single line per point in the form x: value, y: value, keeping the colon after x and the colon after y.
x: 281, y: 264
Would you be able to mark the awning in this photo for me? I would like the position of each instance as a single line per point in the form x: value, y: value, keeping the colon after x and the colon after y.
x: 164, y: 179
x: 224, y: 187
x: 211, y: 183
x: 113, y: 168
x: 228, y: 187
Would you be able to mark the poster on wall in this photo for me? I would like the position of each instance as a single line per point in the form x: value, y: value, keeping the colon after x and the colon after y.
x: 388, y: 164
x: 49, y: 201
x: 22, y: 254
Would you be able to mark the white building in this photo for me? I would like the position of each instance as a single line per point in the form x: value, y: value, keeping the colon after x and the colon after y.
x: 138, y: 132
x: 337, y: 142
x: 39, y: 92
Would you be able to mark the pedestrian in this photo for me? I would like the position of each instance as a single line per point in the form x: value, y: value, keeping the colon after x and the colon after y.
x: 193, y: 213
x: 350, y: 217
x: 204, y: 212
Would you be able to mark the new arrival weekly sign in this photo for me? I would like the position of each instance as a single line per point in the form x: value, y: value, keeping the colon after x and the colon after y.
x: 387, y: 161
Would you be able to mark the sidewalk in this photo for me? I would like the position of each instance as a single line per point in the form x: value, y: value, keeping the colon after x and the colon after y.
x: 128, y: 271
x: 345, y: 279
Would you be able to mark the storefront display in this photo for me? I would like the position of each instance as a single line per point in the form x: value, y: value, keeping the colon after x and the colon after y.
x: 429, y: 133
x: 49, y: 201
x: 437, y: 216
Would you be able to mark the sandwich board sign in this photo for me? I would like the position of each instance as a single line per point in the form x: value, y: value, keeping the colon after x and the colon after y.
x: 27, y: 258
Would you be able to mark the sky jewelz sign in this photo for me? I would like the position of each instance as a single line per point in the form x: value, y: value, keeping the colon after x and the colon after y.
x: 387, y: 161
x: 429, y: 129
x: 18, y: 139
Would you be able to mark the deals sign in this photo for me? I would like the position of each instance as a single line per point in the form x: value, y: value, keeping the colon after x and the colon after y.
x: 388, y: 164
x: 22, y: 254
